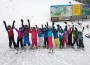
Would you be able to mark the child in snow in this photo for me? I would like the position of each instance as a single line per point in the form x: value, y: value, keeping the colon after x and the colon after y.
x: 50, y: 32
x: 61, y: 35
x: 20, y: 37
x: 75, y: 37
x: 34, y: 33
x: 70, y: 37
x: 40, y: 36
x: 26, y: 33
x: 80, y: 37
x: 45, y: 32
x: 65, y: 36
x: 10, y: 32
x: 56, y: 39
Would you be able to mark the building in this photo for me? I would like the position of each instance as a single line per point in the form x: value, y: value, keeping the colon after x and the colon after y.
x: 84, y: 1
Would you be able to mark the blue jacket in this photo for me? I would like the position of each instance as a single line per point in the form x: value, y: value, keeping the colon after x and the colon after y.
x: 50, y: 33
x: 55, y: 34
x: 45, y: 34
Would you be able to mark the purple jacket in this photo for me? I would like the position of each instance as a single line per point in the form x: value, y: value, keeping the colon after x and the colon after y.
x: 20, y: 34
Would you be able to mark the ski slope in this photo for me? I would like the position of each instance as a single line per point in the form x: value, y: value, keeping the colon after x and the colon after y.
x: 37, y: 11
x: 67, y: 56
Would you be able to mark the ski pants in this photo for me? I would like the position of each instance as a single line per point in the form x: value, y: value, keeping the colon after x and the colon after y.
x: 50, y: 44
x: 40, y: 41
x: 69, y: 40
x: 56, y: 40
x: 81, y: 43
x: 45, y: 42
x: 11, y: 40
x: 34, y: 42
x: 66, y: 42
x: 26, y: 40
x: 21, y: 42
x: 75, y: 41
x: 61, y: 43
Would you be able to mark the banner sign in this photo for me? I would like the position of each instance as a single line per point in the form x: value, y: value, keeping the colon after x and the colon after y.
x: 68, y: 12
x: 76, y: 10
x: 59, y: 12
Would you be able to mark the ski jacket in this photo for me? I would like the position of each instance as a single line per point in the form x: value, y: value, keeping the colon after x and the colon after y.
x: 20, y: 34
x: 75, y: 34
x: 45, y: 34
x: 33, y: 34
x: 55, y: 34
x: 80, y: 36
x: 25, y: 31
x: 50, y: 33
x: 61, y: 34
x: 40, y: 34
x: 10, y: 33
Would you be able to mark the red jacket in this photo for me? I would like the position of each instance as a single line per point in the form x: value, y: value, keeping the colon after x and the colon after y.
x: 10, y: 33
x: 33, y: 34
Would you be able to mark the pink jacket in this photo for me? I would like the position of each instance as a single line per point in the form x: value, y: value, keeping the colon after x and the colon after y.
x: 20, y: 34
x: 66, y: 35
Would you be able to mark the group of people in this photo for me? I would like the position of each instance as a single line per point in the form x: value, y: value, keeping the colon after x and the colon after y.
x: 62, y: 36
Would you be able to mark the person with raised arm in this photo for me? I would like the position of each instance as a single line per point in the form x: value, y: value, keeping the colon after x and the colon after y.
x: 26, y: 29
x: 34, y: 32
x: 10, y: 32
x: 20, y: 37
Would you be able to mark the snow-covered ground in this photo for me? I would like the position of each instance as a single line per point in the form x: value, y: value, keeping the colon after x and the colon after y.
x: 66, y: 56
x: 37, y: 11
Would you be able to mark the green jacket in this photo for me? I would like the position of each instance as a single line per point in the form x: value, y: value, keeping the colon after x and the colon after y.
x: 75, y: 34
